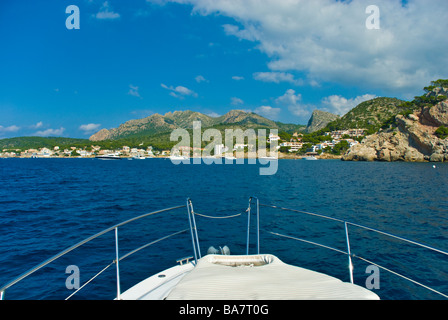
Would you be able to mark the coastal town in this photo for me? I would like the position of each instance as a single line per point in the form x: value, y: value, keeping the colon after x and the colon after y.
x: 350, y: 136
x: 287, y: 147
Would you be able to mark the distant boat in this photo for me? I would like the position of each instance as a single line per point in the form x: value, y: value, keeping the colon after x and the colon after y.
x: 109, y: 157
x: 139, y: 158
x: 178, y: 158
x: 310, y: 158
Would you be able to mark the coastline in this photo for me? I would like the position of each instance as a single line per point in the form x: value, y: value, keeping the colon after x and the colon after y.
x: 281, y: 156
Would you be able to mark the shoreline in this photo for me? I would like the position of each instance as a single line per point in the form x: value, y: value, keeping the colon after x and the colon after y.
x: 280, y: 157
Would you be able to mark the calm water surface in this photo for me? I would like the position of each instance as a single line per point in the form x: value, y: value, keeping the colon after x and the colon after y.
x: 47, y: 205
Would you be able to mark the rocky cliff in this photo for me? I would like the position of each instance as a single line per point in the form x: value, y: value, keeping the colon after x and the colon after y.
x: 413, y: 138
x: 319, y: 119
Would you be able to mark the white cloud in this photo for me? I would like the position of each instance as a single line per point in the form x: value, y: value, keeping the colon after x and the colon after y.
x: 236, y: 101
x: 340, y: 105
x: 213, y: 114
x: 89, y: 128
x: 106, y: 12
x: 50, y: 132
x: 12, y: 128
x: 246, y: 34
x: 268, y: 112
x: 314, y: 83
x: 293, y: 102
x: 37, y: 125
x: 237, y: 78
x: 200, y: 79
x: 157, y: 2
x: 276, y: 77
x: 179, y: 91
x: 328, y: 40
x: 133, y: 91
x: 142, y: 113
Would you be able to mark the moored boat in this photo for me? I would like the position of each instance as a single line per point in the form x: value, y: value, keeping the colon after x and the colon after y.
x: 109, y: 157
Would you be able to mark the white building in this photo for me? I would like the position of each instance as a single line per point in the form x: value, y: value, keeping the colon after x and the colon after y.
x: 220, y: 149
x: 44, y: 152
x: 273, y: 137
x: 239, y: 146
x: 292, y: 146
x: 84, y: 153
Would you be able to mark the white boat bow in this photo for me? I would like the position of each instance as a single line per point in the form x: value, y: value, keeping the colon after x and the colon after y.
x: 236, y: 277
x: 244, y: 277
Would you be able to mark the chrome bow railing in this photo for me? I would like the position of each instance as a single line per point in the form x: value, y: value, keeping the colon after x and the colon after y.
x: 116, y: 261
x: 348, y: 250
x: 197, y: 251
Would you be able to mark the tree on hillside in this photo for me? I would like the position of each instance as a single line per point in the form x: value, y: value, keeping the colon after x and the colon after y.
x: 441, y: 132
x: 341, y: 147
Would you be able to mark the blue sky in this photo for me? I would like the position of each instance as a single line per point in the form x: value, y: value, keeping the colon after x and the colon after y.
x: 281, y: 59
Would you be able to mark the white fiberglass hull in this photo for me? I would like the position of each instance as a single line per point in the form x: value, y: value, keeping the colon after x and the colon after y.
x: 246, y: 277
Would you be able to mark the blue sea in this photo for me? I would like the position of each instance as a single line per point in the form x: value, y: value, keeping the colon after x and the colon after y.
x: 47, y: 205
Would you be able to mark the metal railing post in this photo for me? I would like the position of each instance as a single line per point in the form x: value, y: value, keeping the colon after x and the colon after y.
x: 258, y: 225
x: 248, y: 227
x: 193, y: 231
x: 350, y: 264
x: 117, y: 261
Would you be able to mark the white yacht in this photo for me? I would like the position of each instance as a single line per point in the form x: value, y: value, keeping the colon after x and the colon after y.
x: 268, y: 158
x: 243, y: 277
x: 219, y: 275
x: 111, y: 156
x: 178, y: 157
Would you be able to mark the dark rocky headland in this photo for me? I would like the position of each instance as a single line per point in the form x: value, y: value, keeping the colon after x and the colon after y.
x: 419, y: 134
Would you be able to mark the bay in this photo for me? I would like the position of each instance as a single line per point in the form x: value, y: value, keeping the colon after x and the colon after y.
x: 48, y: 205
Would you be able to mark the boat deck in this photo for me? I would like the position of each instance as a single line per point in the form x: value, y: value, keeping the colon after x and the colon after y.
x: 253, y: 277
x: 158, y: 286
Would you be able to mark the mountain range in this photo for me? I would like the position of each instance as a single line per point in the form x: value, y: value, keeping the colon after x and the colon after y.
x: 155, y: 130
x: 158, y: 124
x: 371, y: 115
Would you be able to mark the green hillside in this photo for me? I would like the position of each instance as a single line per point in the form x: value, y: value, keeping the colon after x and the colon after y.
x: 369, y: 114
x: 24, y: 143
